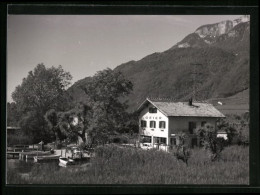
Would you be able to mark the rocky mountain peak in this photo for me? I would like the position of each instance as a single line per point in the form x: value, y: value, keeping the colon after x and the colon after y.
x: 244, y: 18
x: 217, y: 29
x: 211, y: 33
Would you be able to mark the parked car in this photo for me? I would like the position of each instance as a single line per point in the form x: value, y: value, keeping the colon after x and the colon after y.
x: 146, y: 146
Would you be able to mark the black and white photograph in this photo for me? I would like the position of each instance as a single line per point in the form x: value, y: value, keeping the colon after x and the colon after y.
x: 128, y: 99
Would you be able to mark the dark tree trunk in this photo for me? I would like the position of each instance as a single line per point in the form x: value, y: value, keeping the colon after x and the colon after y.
x: 83, y: 138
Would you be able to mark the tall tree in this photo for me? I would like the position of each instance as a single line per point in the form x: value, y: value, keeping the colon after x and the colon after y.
x: 103, y: 113
x: 105, y: 91
x: 52, y: 117
x: 12, y: 114
x: 42, y: 90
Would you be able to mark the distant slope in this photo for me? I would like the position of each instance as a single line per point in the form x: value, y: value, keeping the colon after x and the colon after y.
x: 236, y: 104
x: 222, y: 49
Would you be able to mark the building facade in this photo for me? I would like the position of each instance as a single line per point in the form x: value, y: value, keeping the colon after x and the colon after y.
x: 160, y: 122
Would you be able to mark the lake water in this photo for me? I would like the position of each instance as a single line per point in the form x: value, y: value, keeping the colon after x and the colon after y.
x: 22, y: 166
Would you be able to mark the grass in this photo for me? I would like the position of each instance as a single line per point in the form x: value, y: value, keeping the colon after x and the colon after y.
x: 114, y: 165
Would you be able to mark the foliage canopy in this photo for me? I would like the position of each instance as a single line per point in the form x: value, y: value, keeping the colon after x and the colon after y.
x: 40, y: 91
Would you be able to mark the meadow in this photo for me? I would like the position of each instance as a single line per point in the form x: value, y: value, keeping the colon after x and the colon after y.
x: 117, y: 165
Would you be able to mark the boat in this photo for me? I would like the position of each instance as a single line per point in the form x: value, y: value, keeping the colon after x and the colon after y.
x: 66, y: 161
x: 46, y: 158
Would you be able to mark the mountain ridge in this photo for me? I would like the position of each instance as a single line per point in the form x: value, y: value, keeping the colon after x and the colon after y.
x: 224, y: 69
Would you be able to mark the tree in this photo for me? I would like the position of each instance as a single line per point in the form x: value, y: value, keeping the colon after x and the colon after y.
x: 182, y: 152
x: 52, y: 118
x: 12, y: 114
x: 42, y: 90
x: 210, y: 142
x: 243, y: 131
x: 75, y: 122
x: 105, y: 92
x: 225, y: 125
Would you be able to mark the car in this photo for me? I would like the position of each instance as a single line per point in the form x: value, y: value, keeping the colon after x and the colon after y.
x: 146, y: 146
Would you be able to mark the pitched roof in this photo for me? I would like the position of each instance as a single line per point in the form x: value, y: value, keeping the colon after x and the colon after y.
x: 184, y: 109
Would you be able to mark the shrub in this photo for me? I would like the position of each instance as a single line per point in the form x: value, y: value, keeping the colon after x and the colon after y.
x: 210, y: 142
x: 119, y: 139
x: 237, y: 128
x: 182, y: 152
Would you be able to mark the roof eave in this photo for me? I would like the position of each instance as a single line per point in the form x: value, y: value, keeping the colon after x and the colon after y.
x: 196, y: 116
x: 148, y: 100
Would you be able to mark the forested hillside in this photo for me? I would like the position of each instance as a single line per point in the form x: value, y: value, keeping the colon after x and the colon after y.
x: 221, y: 49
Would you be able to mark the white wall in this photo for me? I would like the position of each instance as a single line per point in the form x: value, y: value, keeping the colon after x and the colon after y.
x: 173, y: 125
x: 154, y: 132
x: 181, y: 123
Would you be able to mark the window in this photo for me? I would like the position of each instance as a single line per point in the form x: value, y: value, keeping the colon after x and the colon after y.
x: 156, y: 140
x: 173, y: 141
x: 152, y: 110
x: 203, y: 123
x: 162, y: 124
x: 152, y: 124
x: 159, y: 140
x: 146, y: 139
x: 143, y: 123
x: 194, y: 142
x: 192, y: 126
x: 162, y: 140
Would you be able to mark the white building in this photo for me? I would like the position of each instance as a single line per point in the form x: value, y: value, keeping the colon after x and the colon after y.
x: 159, y: 121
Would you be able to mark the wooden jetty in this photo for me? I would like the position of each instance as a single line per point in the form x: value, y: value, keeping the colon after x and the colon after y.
x: 27, y: 155
x: 46, y: 158
x: 13, y: 153
x: 32, y: 154
x: 25, y: 152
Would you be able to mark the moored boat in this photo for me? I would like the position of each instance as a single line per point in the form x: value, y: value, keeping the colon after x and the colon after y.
x: 66, y: 161
x: 46, y: 158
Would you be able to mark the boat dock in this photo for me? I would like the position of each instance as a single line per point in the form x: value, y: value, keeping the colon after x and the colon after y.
x: 30, y: 152
x: 23, y: 155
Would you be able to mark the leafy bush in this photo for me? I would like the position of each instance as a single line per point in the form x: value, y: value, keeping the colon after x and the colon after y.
x: 210, y: 142
x: 182, y: 152
x: 237, y: 128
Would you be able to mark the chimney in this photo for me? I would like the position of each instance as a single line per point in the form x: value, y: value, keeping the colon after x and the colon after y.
x: 190, y: 102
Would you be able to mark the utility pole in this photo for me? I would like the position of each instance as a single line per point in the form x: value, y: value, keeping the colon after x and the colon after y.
x: 195, y: 73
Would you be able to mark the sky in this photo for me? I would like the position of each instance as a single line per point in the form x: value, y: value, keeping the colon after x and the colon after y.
x: 85, y: 44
